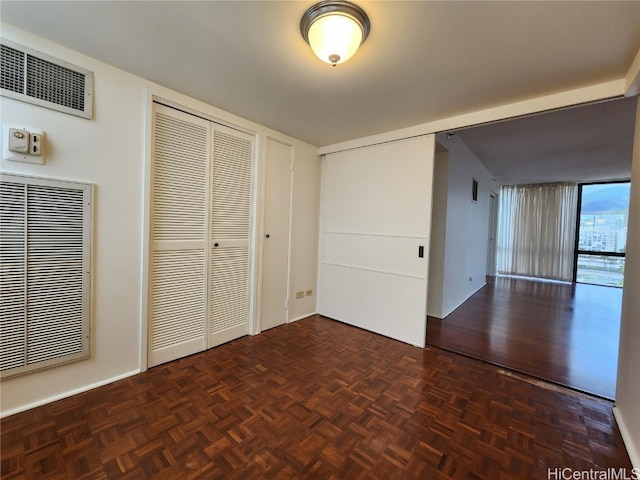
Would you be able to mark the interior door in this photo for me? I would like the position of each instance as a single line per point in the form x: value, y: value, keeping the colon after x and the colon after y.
x: 231, y: 187
x: 201, y: 219
x: 277, y: 214
x: 376, y: 223
x: 177, y: 303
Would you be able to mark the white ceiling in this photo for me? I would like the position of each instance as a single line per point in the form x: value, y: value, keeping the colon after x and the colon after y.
x: 423, y: 61
x: 583, y: 144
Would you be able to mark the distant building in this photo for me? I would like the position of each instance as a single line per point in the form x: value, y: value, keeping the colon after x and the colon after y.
x: 603, y: 232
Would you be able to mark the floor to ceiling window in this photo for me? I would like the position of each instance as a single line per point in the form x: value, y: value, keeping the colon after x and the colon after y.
x: 601, y: 240
x: 536, y: 232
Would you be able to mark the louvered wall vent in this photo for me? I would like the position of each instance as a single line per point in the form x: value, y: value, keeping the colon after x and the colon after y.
x: 45, y: 273
x: 37, y: 78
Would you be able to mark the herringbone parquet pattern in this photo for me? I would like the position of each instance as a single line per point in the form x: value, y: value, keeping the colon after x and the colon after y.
x: 314, y: 399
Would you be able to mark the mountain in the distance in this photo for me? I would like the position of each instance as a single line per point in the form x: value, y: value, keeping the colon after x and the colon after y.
x: 605, y: 198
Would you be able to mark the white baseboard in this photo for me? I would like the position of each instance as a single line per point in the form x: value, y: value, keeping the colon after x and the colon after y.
x: 632, y: 450
x: 70, y: 393
x: 445, y: 314
x: 307, y: 315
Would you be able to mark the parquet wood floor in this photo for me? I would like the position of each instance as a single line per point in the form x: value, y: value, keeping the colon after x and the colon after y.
x: 315, y: 399
x: 564, y: 333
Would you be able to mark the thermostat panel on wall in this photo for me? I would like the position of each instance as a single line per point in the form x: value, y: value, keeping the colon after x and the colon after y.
x: 23, y: 144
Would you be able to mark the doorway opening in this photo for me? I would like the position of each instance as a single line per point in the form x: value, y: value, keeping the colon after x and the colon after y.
x: 493, y: 232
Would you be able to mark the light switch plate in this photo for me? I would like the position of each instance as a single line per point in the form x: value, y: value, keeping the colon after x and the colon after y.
x: 18, y: 140
x: 27, y: 157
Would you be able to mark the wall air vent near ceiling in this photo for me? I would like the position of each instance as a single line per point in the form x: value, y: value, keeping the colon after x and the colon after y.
x: 37, y: 78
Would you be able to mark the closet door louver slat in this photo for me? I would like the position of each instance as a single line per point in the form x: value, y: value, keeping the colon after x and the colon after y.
x: 178, y: 288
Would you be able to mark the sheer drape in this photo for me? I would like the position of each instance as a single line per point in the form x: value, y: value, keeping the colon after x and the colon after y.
x: 536, y: 232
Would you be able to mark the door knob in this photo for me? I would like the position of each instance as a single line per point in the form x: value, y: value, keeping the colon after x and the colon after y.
x: 267, y: 235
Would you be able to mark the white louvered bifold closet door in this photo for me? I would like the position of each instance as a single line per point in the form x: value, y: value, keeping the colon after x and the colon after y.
x: 178, y: 292
x: 200, y: 234
x: 230, y: 234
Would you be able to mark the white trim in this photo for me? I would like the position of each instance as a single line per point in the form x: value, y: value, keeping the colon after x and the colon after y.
x: 43, y: 180
x: 146, y: 229
x: 86, y: 190
x: 254, y: 250
x: 321, y: 232
x: 302, y: 317
x: 632, y: 79
x: 189, y: 105
x: 169, y: 98
x: 256, y: 293
x: 375, y: 234
x: 375, y: 270
x: 292, y: 166
x: 632, y: 450
x: 86, y: 113
x: 615, y: 88
x: 69, y: 393
x: 444, y: 315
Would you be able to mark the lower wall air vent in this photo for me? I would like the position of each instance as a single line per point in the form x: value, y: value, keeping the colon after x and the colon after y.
x: 37, y: 78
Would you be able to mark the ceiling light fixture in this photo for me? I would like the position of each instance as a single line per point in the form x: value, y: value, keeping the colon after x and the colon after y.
x: 335, y: 29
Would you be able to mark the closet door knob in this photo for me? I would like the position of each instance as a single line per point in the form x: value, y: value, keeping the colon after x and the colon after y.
x: 267, y: 235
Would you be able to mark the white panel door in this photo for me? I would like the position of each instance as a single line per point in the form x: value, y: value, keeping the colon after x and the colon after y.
x: 376, y: 221
x: 177, y: 304
x: 277, y: 214
x: 230, y: 234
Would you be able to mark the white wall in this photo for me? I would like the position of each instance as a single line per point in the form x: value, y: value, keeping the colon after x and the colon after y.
x: 305, y: 223
x: 463, y: 252
x: 435, y: 295
x: 109, y: 151
x: 628, y: 382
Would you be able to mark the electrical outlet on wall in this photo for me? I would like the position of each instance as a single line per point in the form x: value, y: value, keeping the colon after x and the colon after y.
x: 36, y: 144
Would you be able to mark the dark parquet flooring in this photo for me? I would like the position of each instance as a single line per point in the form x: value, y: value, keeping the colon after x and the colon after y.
x: 315, y: 399
x: 561, y: 332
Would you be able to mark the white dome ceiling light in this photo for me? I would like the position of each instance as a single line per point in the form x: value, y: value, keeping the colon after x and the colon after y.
x: 335, y: 29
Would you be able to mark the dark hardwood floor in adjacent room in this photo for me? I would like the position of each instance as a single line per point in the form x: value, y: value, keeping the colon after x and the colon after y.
x: 565, y: 333
x: 315, y: 399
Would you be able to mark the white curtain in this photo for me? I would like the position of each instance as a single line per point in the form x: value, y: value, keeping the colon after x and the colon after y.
x: 536, y: 230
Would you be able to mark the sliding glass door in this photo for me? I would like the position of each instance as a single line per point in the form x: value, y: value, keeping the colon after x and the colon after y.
x: 601, y: 240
